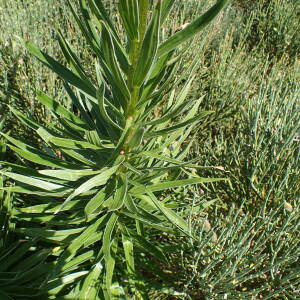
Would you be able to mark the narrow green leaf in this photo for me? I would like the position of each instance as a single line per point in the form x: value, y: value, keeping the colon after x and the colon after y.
x: 95, y: 202
x: 90, y: 38
x: 56, y: 285
x: 101, y: 14
x: 60, y: 110
x: 107, y: 237
x: 170, y: 214
x: 173, y: 184
x: 11, y: 260
x: 53, y: 236
x: 90, y: 235
x: 71, y: 57
x: 178, y: 126
x: 109, y: 57
x: 34, y: 191
x: 91, y: 284
x: 149, y: 48
x: 97, y: 180
x: 49, y: 208
x: 166, y: 8
x: 27, y: 171
x: 172, y: 113
x: 108, y: 251
x: 75, y: 262
x: 25, y: 120
x: 80, y: 106
x: 41, y: 158
x: 129, y: 12
x: 85, y: 156
x: 44, y: 185
x: 156, y: 75
x: 71, y: 175
x: 192, y: 29
x: 60, y: 70
x: 120, y: 193
x: 80, y: 241
x: 153, y: 154
x: 62, y: 142
x: 91, y: 23
x: 104, y: 114
x: 129, y: 257
x: 99, y: 10
x: 148, y: 222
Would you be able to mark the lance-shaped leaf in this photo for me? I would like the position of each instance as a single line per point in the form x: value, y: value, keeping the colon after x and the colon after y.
x: 171, y: 114
x: 90, y: 38
x: 34, y: 191
x: 95, y: 181
x: 26, y: 171
x: 85, y: 156
x: 100, y: 13
x: 60, y: 70
x: 120, y: 193
x: 156, y: 75
x: 129, y: 12
x: 172, y: 184
x: 89, y: 21
x: 65, y: 143
x: 56, y: 285
x: 110, y: 64
x: 178, y: 126
x: 192, y: 29
x: 91, y: 284
x: 149, y: 48
x: 71, y: 57
x: 166, y: 8
x: 57, y: 108
x: 109, y: 249
x: 83, y: 112
x: 41, y: 184
x: 24, y: 119
x: 78, y: 260
x: 89, y: 234
x: 98, y: 9
x: 37, y: 156
x: 166, y: 159
x: 147, y: 221
x: 169, y: 214
x: 49, y: 208
x: 95, y: 202
x: 102, y: 108
x: 55, y: 236
x: 71, y: 175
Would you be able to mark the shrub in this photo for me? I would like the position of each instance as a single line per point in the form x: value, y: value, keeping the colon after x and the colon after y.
x: 99, y: 197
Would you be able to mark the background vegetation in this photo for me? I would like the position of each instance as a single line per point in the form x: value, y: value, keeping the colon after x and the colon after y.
x: 247, y: 70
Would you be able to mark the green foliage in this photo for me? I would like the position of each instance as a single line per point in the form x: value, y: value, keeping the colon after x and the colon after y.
x: 250, y: 138
x: 107, y: 162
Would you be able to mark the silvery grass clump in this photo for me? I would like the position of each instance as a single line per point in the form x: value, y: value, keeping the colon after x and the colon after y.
x: 102, y: 167
x: 241, y: 255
